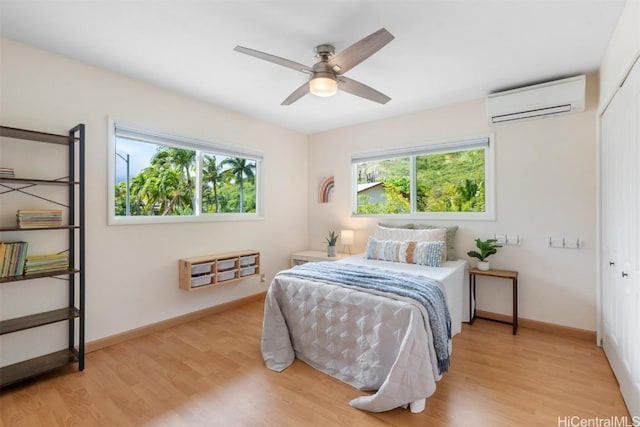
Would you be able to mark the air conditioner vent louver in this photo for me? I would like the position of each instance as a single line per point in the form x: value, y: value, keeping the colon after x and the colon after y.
x: 541, y: 100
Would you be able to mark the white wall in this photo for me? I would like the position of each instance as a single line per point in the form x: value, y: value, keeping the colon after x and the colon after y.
x: 132, y: 271
x: 545, y: 186
x: 623, y: 49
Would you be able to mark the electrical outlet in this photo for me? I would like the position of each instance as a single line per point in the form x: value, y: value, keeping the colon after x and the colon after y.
x: 501, y: 239
x: 556, y: 242
x: 513, y: 239
x: 263, y: 278
x: 572, y: 243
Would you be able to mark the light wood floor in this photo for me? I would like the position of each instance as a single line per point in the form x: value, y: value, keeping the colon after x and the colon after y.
x: 210, y: 372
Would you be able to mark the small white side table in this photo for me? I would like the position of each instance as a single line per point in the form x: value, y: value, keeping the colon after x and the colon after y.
x: 313, y: 256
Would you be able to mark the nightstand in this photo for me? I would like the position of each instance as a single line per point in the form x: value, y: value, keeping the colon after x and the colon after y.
x: 501, y: 274
x: 313, y: 256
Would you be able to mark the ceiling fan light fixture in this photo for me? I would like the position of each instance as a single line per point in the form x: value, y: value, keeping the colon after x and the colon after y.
x: 323, y: 84
x: 328, y: 73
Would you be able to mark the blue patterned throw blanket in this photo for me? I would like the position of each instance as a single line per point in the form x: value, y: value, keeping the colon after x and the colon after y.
x: 423, y: 290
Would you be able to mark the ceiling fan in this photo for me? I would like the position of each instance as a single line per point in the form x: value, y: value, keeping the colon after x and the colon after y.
x: 326, y: 75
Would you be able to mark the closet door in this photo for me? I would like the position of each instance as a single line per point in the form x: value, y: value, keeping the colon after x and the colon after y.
x: 620, y: 160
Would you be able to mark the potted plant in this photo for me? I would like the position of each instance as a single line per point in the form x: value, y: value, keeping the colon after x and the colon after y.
x: 487, y: 248
x: 331, y: 243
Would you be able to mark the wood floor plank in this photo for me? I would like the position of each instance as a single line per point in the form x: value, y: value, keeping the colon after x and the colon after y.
x: 210, y: 372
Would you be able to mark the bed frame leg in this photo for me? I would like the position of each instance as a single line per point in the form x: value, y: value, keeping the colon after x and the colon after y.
x: 417, y: 406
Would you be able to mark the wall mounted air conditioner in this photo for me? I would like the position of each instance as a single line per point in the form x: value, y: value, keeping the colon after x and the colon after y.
x: 541, y: 100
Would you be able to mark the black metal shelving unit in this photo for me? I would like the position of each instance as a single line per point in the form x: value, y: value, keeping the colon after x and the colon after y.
x: 76, y: 273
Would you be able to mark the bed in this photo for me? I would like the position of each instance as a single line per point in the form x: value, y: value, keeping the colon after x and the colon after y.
x: 369, y: 339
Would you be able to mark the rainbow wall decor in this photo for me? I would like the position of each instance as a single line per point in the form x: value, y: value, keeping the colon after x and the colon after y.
x: 326, y: 189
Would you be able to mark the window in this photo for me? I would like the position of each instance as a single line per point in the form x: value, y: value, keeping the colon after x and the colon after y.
x: 228, y: 183
x: 451, y: 180
x: 383, y: 186
x: 161, y: 178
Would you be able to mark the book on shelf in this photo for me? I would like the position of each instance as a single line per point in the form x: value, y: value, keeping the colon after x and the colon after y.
x: 42, y: 263
x: 12, y: 258
x: 39, y: 218
x: 7, y: 173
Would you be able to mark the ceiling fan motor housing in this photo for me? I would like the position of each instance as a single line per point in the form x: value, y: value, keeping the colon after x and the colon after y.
x: 324, y: 52
x: 322, y: 69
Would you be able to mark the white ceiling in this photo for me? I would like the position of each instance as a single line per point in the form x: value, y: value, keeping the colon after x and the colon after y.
x: 444, y: 52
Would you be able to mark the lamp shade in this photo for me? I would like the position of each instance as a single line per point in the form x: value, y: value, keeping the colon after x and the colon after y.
x: 346, y: 236
x: 323, y: 84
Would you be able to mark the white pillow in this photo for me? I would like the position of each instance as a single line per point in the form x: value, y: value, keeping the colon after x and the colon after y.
x: 426, y: 235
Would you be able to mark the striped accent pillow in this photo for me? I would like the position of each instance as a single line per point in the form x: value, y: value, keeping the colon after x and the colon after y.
x: 423, y: 235
x: 407, y: 251
x: 429, y: 253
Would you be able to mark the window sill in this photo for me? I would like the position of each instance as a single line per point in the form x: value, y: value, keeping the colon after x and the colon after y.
x: 444, y: 216
x: 223, y: 217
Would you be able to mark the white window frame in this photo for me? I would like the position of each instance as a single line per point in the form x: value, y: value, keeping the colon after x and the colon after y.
x: 459, y: 144
x: 120, y: 129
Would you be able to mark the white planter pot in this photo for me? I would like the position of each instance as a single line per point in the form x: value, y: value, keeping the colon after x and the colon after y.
x: 331, y: 251
x: 483, y: 265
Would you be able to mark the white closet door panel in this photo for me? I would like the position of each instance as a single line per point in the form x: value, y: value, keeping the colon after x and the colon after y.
x: 613, y: 122
x: 633, y: 285
x: 621, y: 236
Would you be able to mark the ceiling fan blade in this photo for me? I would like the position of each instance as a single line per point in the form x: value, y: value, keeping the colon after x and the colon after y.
x: 359, y: 89
x: 275, y: 59
x: 297, y: 94
x: 359, y: 51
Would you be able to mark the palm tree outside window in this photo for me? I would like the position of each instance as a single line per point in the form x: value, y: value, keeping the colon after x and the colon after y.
x: 172, y: 177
